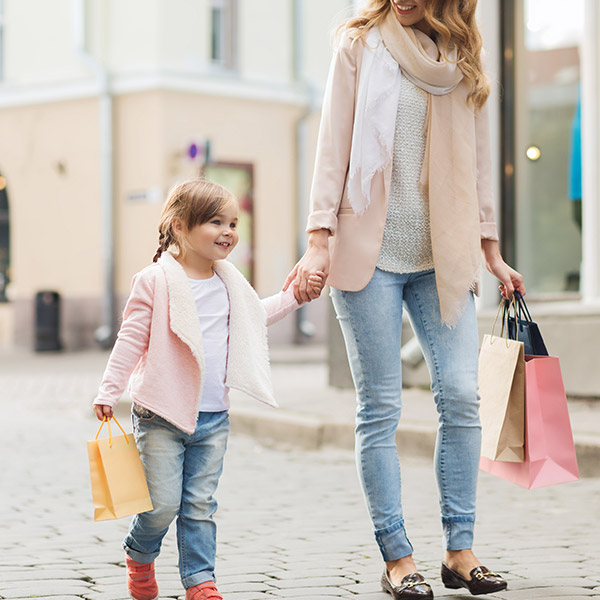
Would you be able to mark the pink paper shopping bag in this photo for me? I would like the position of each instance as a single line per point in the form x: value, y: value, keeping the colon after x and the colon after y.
x: 549, y: 449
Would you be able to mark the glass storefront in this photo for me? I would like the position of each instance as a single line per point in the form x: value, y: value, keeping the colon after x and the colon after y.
x: 547, y: 155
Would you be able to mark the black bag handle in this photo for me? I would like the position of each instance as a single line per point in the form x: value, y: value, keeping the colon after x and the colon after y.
x: 522, y: 306
x: 506, y: 316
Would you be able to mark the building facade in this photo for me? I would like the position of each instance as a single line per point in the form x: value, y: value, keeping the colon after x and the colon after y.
x: 105, y: 104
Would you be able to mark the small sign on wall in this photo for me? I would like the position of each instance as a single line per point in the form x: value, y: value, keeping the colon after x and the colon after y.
x: 152, y: 195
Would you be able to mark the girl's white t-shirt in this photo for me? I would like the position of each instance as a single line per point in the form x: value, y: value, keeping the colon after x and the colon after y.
x: 212, y: 304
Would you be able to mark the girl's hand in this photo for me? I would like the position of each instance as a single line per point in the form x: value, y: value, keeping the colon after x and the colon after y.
x: 511, y: 279
x: 316, y: 283
x: 103, y: 410
x: 315, y: 260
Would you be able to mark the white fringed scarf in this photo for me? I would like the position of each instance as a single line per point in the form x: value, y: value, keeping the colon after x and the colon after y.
x: 449, y: 174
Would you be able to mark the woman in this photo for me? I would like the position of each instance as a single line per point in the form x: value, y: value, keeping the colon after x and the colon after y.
x: 401, y: 213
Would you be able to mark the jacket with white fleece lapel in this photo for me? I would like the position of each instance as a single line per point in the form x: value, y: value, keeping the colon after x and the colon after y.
x: 160, y: 342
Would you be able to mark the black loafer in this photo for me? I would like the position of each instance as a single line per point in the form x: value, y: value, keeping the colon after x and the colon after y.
x: 413, y: 587
x: 482, y: 581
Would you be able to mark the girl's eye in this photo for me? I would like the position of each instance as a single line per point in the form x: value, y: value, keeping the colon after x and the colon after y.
x: 216, y: 222
x: 233, y: 225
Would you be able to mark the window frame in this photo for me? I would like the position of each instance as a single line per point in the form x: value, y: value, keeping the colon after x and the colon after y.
x: 223, y: 41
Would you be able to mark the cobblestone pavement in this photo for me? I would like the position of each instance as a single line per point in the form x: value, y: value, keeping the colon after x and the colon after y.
x: 292, y: 523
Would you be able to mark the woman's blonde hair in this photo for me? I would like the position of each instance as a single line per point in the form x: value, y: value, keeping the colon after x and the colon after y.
x: 193, y: 202
x: 453, y: 21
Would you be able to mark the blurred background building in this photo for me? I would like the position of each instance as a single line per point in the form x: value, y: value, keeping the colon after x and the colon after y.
x: 105, y: 104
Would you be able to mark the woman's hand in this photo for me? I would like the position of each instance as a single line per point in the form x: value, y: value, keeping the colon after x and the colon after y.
x: 103, y: 410
x: 511, y: 280
x: 315, y: 261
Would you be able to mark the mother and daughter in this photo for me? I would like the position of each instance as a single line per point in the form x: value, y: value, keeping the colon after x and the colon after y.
x: 402, y: 213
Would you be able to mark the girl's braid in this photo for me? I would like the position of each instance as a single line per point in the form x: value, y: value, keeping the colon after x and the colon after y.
x: 164, y: 241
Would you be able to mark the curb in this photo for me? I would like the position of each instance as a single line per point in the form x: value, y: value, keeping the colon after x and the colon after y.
x: 290, y: 429
x: 413, y: 439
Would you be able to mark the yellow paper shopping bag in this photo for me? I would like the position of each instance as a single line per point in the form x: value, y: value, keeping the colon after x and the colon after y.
x: 119, y: 487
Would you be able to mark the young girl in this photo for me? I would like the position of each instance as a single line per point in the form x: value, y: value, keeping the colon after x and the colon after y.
x: 192, y: 328
x: 402, y: 185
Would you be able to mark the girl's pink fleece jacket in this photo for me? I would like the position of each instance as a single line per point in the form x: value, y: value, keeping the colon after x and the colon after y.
x: 159, y: 346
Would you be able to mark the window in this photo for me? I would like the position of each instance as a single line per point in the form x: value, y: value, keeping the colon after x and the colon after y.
x: 223, y: 19
x: 545, y: 167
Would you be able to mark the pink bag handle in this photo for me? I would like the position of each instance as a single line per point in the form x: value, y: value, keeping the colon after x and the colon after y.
x: 107, y: 420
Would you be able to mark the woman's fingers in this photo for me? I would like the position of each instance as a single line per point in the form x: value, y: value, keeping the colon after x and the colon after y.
x: 290, y: 277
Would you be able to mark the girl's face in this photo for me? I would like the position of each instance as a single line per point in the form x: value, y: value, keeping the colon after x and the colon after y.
x: 215, y: 239
x: 409, y: 12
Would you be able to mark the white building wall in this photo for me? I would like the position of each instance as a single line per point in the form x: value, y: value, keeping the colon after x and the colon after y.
x: 264, y: 43
x: 38, y: 45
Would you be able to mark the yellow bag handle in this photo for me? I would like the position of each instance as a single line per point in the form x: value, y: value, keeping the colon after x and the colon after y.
x: 107, y: 420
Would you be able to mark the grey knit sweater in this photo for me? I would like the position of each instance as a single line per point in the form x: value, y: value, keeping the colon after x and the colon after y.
x: 406, y: 246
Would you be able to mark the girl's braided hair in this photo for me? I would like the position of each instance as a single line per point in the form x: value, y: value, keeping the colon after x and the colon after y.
x: 194, y: 202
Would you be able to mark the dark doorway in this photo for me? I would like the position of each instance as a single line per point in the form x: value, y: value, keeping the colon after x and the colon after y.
x: 4, y: 240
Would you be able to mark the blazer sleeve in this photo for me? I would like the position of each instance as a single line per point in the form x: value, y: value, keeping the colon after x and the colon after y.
x: 485, y: 196
x: 279, y: 305
x: 132, y: 341
x: 335, y: 137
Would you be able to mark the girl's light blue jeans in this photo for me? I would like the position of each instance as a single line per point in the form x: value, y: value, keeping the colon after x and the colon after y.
x: 182, y: 471
x: 371, y: 321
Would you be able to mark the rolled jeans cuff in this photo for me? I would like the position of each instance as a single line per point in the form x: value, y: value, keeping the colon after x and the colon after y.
x: 140, y: 557
x: 197, y: 579
x: 458, y: 532
x: 393, y: 542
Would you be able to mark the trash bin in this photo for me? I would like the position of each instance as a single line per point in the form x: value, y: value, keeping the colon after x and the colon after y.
x: 47, y: 321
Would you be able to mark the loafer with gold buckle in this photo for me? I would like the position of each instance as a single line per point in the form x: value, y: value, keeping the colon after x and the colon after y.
x: 482, y: 580
x: 412, y: 587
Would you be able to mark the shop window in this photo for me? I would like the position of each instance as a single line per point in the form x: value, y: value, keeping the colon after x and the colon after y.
x: 546, y: 163
x: 223, y: 37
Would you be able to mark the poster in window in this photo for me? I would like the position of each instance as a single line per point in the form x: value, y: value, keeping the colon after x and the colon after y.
x: 237, y: 178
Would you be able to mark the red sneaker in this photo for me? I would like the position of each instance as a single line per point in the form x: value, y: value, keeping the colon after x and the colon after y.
x: 204, y: 591
x: 141, y: 582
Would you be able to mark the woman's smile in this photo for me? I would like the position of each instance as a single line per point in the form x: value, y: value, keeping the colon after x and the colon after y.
x: 404, y: 8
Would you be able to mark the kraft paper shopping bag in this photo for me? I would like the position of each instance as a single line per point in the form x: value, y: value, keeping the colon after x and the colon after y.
x: 549, y: 449
x: 119, y: 487
x: 502, y: 391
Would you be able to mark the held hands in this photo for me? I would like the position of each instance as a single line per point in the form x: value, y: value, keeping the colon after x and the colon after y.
x: 315, y: 285
x: 314, y: 262
x: 103, y: 410
x: 511, y: 279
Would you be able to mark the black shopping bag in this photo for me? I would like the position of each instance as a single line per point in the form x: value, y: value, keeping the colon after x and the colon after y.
x: 523, y: 329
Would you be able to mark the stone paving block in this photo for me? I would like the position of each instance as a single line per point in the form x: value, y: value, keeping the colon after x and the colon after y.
x: 320, y: 582
x: 309, y: 592
x: 377, y: 596
x: 555, y: 581
x: 245, y: 587
x: 108, y: 595
x: 310, y: 573
x: 552, y: 592
x: 35, y: 574
x: 43, y: 589
x: 60, y: 597
x: 248, y: 596
x: 243, y: 578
